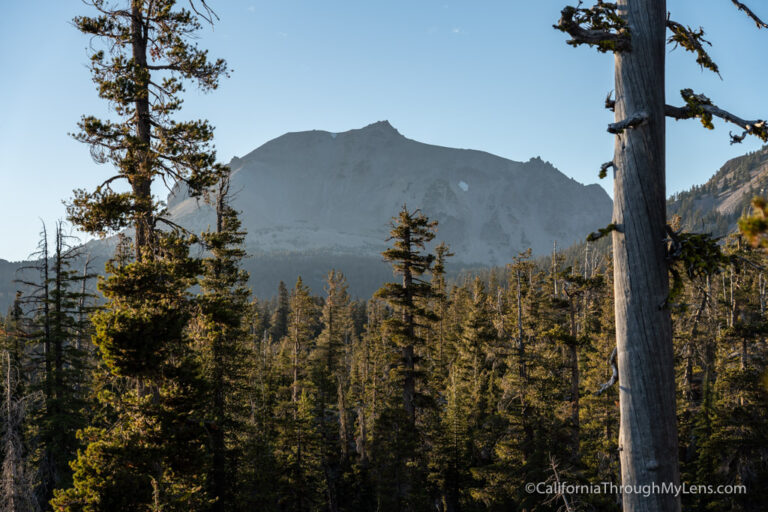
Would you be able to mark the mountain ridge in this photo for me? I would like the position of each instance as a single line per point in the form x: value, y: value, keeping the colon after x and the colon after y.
x: 716, y: 205
x: 315, y: 200
x: 347, y: 186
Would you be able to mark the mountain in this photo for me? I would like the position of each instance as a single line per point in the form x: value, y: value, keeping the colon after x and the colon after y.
x: 716, y: 206
x: 336, y: 192
x: 317, y: 200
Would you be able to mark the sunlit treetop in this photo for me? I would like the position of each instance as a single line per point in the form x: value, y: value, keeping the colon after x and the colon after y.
x: 144, y: 53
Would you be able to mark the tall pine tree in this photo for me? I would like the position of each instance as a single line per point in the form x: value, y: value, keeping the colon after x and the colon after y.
x: 151, y: 455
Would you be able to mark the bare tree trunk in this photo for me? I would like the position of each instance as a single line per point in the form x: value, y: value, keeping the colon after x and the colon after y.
x: 648, y: 431
x: 46, y: 295
x: 554, y: 268
x: 219, y: 474
x: 343, y: 420
x: 362, y: 437
x: 573, y: 355
x: 80, y: 340
x: 409, y: 381
x: 58, y: 340
x: 523, y: 373
x: 16, y: 479
x: 731, y: 302
x: 762, y: 288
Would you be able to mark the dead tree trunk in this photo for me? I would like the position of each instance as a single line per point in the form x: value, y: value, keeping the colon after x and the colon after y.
x: 648, y: 431
x: 16, y: 479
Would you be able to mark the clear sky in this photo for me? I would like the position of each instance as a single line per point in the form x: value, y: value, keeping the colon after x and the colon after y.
x: 482, y: 74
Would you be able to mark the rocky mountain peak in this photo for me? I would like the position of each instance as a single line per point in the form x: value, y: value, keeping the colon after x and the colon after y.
x: 379, y: 127
x: 336, y: 192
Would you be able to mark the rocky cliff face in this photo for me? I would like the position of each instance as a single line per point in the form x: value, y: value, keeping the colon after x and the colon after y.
x: 336, y: 192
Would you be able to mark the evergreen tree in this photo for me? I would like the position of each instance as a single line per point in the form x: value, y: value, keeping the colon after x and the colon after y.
x: 370, y: 388
x: 151, y: 455
x: 280, y: 316
x: 440, y: 307
x: 298, y: 439
x: 330, y: 375
x: 63, y: 368
x: 259, y: 471
x: 148, y: 53
x: 220, y: 332
x: 56, y: 360
x: 599, y: 415
x: 469, y: 419
x: 411, y: 231
x: 733, y: 426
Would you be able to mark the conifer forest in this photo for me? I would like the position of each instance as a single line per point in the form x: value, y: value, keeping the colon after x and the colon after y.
x: 587, y: 379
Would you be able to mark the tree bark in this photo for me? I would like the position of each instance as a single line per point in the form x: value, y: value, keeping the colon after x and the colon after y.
x: 141, y: 177
x: 648, y: 431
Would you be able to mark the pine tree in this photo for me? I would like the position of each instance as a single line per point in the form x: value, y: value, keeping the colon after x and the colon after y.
x: 440, y: 303
x: 63, y: 368
x: 734, y: 432
x: 371, y: 359
x: 599, y: 414
x: 298, y: 442
x: 279, y: 319
x: 152, y: 455
x: 219, y: 331
x: 411, y: 231
x: 259, y: 471
x: 576, y: 302
x: 330, y: 375
x: 469, y: 420
x: 56, y: 359
x: 149, y: 53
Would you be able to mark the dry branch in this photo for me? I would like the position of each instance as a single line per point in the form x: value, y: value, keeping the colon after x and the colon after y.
x: 760, y: 23
x: 614, y: 374
x: 699, y: 106
x: 632, y: 121
x: 610, y: 103
x: 604, y: 169
x: 692, y: 41
x: 598, y: 26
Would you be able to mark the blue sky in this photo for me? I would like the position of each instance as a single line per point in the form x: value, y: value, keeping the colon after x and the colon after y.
x: 490, y: 75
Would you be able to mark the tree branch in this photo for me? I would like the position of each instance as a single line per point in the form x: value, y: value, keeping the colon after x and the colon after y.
x: 209, y: 13
x: 692, y: 41
x: 107, y: 182
x: 601, y: 232
x: 604, y: 169
x: 614, y: 374
x: 610, y: 103
x: 740, y: 6
x: 173, y: 225
x: 598, y: 26
x: 699, y: 106
x: 632, y: 121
